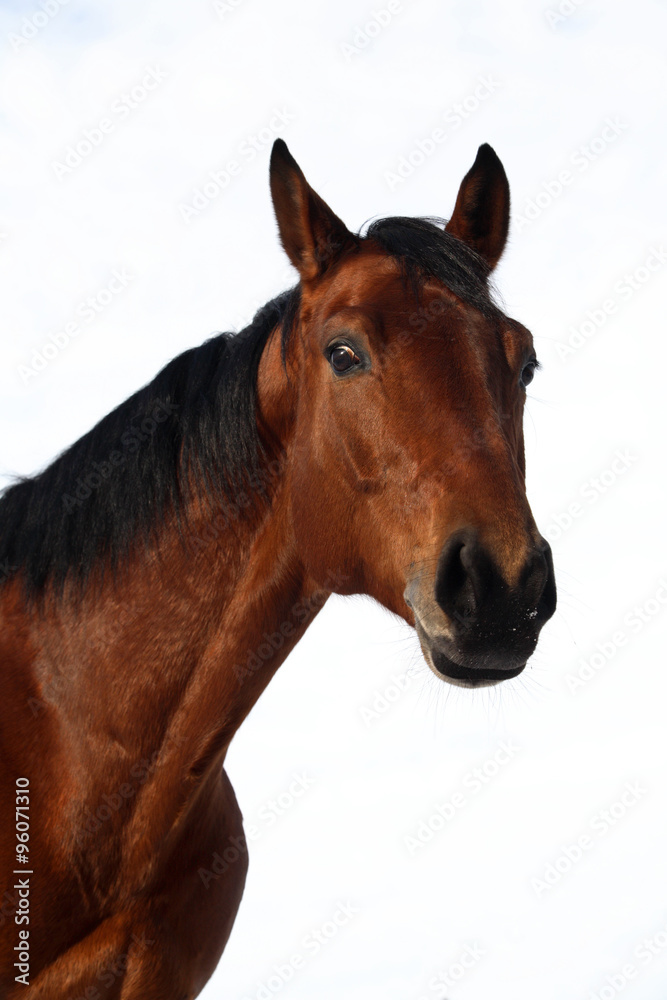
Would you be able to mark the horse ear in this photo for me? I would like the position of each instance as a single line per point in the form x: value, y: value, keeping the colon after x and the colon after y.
x: 312, y: 235
x: 481, y: 215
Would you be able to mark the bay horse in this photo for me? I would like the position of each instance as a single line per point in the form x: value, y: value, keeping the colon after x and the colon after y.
x: 363, y: 435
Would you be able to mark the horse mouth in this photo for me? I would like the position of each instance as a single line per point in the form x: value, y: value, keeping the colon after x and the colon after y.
x: 466, y: 675
x: 462, y: 676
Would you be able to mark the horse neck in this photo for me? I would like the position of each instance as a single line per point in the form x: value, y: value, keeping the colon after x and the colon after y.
x: 168, y: 658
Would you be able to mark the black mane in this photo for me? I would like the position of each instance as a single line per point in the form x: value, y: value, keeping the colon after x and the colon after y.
x: 193, y: 425
x: 424, y: 249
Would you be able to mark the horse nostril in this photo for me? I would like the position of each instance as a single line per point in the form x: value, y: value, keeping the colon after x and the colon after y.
x: 534, y: 578
x: 470, y: 590
x: 463, y: 579
x: 537, y: 583
x: 547, y: 600
x: 479, y: 568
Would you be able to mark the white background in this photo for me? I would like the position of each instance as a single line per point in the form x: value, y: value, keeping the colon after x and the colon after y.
x: 354, y: 114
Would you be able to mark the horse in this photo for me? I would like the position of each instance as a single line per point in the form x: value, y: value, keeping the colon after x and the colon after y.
x: 363, y: 435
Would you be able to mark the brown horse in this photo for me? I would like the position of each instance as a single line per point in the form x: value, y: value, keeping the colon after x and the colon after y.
x: 362, y: 435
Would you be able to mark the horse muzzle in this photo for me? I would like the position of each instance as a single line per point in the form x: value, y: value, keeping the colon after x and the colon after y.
x: 474, y: 628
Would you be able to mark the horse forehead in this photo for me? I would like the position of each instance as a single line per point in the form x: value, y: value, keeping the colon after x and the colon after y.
x: 372, y: 284
x: 365, y: 278
x: 375, y: 283
x: 517, y: 338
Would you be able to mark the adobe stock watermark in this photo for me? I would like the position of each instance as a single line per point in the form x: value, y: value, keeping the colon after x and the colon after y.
x: 624, y: 289
x: 111, y: 634
x: 301, y: 612
x: 33, y: 24
x: 578, y: 163
x: 472, y: 784
x: 634, y: 621
x: 451, y: 120
x: 599, y: 825
x: 450, y: 977
x: 224, y: 7
x: 590, y: 493
x: 254, y: 305
x: 85, y: 312
x: 566, y: 8
x: 115, y: 969
x: 139, y: 431
x: 115, y: 801
x: 644, y: 954
x: 219, y: 180
x: 364, y: 34
x: 311, y: 945
x: 92, y: 138
x: 275, y: 808
x: 235, y: 849
x: 232, y: 508
x: 100, y: 640
x: 384, y: 699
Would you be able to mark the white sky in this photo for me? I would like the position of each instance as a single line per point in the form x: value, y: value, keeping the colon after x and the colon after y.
x: 220, y: 76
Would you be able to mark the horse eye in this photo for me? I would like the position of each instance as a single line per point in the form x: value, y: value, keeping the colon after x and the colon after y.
x: 343, y: 358
x: 528, y: 373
